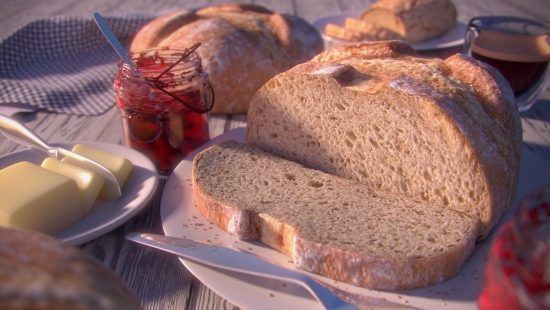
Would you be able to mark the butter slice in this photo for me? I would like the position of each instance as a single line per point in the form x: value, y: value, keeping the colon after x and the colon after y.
x: 89, y: 183
x: 119, y: 166
x: 35, y: 198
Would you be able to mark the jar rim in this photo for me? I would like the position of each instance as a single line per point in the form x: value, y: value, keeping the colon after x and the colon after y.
x: 161, y: 55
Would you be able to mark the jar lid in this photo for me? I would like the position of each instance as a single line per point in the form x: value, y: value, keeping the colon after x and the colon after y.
x: 511, y: 39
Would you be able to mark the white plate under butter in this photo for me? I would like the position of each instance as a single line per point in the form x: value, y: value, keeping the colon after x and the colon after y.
x: 453, y: 37
x: 105, y: 216
x: 180, y: 217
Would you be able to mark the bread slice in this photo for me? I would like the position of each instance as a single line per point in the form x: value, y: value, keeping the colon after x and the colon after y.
x: 447, y: 132
x: 329, y: 225
x: 360, y: 30
x: 416, y: 20
x: 343, y: 33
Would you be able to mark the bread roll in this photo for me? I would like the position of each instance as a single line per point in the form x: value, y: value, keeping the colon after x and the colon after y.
x: 443, y: 131
x: 329, y: 225
x: 415, y: 20
x: 42, y: 273
x: 243, y: 46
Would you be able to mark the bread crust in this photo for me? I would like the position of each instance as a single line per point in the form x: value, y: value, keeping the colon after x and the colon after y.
x: 38, y: 271
x: 242, y: 47
x: 415, y: 20
x: 470, y: 115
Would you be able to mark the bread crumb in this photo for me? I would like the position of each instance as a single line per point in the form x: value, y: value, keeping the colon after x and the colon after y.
x: 271, y: 295
x: 250, y: 249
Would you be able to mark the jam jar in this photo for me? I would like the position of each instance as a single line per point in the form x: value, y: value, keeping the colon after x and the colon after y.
x: 164, y: 100
x: 517, y: 273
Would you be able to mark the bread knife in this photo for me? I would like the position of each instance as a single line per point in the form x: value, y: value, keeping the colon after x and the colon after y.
x: 238, y: 260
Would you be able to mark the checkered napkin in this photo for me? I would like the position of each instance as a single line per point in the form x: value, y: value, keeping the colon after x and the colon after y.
x: 64, y: 64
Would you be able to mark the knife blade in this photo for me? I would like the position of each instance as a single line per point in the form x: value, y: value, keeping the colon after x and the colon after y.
x: 233, y: 259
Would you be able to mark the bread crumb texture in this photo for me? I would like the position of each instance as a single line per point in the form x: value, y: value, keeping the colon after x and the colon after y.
x: 378, y: 114
x: 330, y: 225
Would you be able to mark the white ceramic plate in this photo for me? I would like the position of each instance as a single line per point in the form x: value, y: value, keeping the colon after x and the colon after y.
x: 105, y: 216
x: 453, y: 37
x: 180, y: 218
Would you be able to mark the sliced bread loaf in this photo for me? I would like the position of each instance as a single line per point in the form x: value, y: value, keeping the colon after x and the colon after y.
x: 416, y: 20
x: 447, y: 132
x: 329, y: 225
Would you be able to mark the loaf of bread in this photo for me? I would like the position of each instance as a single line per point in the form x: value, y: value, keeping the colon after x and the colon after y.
x: 329, y: 225
x: 40, y: 272
x: 410, y: 20
x: 243, y: 46
x: 415, y: 20
x: 443, y: 131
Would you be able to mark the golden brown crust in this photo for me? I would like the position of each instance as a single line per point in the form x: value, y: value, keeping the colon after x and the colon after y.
x: 380, y: 273
x: 40, y: 272
x: 366, y: 50
x: 160, y: 28
x: 416, y: 20
x: 242, y: 46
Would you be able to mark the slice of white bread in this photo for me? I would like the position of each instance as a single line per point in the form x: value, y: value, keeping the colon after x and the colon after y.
x: 329, y: 225
x: 416, y: 20
x: 447, y: 132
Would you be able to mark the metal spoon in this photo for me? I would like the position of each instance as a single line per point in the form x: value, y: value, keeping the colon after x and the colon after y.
x: 22, y: 134
x: 108, y: 33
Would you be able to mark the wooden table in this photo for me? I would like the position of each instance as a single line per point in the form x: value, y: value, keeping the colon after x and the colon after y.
x: 160, y: 280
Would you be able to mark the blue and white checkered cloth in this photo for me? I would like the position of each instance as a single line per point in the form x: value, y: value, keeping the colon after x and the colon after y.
x: 64, y: 64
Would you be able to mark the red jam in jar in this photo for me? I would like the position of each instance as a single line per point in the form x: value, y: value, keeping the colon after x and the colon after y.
x: 164, y: 103
x: 517, y: 273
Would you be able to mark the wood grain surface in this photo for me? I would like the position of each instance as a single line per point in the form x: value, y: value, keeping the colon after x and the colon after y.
x: 160, y: 280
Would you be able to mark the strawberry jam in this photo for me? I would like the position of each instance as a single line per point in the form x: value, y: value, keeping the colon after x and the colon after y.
x: 517, y: 274
x: 164, y: 104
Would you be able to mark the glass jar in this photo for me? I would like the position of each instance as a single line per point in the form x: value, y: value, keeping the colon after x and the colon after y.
x: 164, y: 103
x: 517, y: 273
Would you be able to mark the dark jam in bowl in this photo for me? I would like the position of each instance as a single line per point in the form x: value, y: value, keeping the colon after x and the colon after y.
x: 162, y: 125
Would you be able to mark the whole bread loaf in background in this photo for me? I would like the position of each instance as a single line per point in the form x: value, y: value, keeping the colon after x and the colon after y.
x: 40, y: 272
x: 243, y: 46
x: 329, y: 225
x: 415, y: 20
x: 443, y: 131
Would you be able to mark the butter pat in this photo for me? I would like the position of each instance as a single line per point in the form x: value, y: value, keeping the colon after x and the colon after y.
x: 119, y: 166
x: 89, y: 183
x: 38, y: 199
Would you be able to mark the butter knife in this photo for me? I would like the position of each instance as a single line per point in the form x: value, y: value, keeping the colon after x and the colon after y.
x: 22, y: 134
x: 237, y: 260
